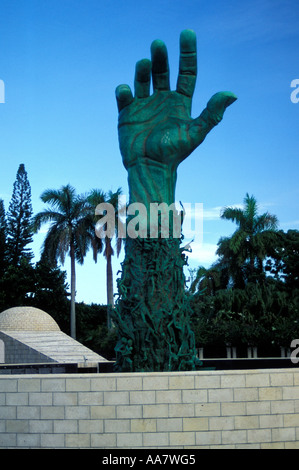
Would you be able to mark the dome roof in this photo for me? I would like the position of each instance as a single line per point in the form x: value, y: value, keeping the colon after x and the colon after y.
x: 27, y: 319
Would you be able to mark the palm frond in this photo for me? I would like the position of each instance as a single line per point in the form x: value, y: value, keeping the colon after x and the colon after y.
x: 250, y: 207
x: 266, y: 221
x: 234, y: 214
x: 44, y: 217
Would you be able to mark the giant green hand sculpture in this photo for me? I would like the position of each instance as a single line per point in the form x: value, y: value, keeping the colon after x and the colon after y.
x: 156, y: 133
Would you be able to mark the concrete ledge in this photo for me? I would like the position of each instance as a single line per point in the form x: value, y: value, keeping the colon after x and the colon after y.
x: 207, y: 409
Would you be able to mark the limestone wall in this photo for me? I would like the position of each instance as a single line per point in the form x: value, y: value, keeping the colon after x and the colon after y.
x: 208, y: 409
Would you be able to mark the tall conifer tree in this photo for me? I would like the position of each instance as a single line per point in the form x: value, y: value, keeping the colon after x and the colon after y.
x: 19, y: 233
x: 3, y: 230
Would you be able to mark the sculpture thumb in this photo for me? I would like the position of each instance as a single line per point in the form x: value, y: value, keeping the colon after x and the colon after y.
x: 218, y: 104
x: 210, y: 117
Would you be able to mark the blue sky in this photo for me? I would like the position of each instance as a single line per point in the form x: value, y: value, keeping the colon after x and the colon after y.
x: 61, y: 61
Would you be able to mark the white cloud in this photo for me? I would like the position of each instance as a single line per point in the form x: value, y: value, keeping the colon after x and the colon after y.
x: 212, y: 214
x: 203, y: 253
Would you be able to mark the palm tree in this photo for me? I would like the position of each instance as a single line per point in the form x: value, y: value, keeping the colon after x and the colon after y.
x: 67, y: 234
x: 252, y: 239
x: 206, y: 280
x: 104, y: 243
x: 232, y: 263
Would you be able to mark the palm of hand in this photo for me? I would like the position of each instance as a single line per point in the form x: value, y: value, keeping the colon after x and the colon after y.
x: 156, y: 129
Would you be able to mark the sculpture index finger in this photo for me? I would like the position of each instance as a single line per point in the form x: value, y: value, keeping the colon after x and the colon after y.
x: 160, y: 67
x: 188, y: 63
x: 142, y: 78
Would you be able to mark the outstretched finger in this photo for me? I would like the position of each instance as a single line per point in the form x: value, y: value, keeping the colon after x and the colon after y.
x: 188, y: 63
x: 124, y: 96
x: 142, y: 78
x: 160, y: 68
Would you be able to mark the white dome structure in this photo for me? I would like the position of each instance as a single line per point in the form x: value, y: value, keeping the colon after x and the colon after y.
x: 27, y: 319
x: 29, y: 335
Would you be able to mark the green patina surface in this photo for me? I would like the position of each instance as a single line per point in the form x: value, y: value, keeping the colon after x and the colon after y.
x: 156, y: 133
x: 153, y: 313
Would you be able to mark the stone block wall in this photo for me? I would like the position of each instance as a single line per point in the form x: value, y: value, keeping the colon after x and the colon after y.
x: 207, y: 409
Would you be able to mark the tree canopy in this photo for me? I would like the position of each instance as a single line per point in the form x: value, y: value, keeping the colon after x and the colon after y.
x: 250, y: 295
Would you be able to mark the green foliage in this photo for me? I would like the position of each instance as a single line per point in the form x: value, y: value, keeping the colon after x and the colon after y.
x: 38, y: 286
x: 3, y: 234
x: 51, y: 293
x: 209, y: 280
x: 100, y: 241
x: 93, y: 331
x: 66, y: 214
x: 69, y: 218
x: 284, y: 261
x: 250, y: 296
x: 244, y: 252
x: 17, y: 284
